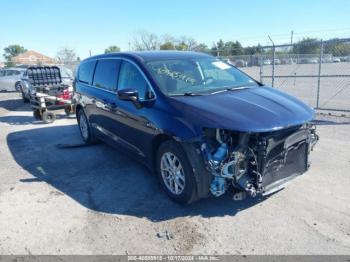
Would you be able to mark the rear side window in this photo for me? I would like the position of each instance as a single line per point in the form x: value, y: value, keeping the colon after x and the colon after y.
x: 86, y: 71
x: 106, y: 74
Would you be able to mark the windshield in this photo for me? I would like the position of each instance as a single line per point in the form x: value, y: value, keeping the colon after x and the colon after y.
x: 196, y: 76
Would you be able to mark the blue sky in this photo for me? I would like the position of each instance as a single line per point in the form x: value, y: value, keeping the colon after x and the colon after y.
x: 46, y: 26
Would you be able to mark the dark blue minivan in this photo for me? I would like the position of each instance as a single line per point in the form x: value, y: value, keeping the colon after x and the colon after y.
x: 201, y: 124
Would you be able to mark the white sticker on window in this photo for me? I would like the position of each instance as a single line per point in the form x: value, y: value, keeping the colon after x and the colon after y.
x: 221, y: 65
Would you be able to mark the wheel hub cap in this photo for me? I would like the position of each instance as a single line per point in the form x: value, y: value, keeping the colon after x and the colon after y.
x: 83, y: 126
x: 172, y: 173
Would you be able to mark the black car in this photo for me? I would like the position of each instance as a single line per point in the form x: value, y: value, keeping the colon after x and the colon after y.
x: 201, y: 124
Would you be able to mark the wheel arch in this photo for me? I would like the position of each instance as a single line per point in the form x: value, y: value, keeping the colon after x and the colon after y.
x: 195, y: 159
x: 18, y: 83
x: 156, y: 142
x: 78, y: 107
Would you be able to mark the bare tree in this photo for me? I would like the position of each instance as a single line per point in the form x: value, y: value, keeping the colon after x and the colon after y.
x: 66, y: 55
x: 146, y: 41
x: 167, y: 38
x: 188, y: 41
x: 202, y: 48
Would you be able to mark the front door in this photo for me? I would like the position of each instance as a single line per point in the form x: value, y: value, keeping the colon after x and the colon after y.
x: 135, y: 127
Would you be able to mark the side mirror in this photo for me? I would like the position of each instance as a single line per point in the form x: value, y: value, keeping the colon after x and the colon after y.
x: 128, y: 95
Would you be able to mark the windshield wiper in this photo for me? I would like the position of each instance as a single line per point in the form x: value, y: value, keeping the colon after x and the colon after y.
x: 239, y: 87
x: 187, y: 94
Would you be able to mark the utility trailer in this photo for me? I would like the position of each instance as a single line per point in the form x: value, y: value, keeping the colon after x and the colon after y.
x: 47, y: 92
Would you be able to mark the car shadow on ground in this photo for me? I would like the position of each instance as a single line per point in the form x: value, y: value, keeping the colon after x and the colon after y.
x: 104, y: 179
x: 28, y: 120
x: 12, y: 103
x: 19, y: 120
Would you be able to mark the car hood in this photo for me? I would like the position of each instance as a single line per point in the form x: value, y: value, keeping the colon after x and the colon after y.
x: 256, y: 109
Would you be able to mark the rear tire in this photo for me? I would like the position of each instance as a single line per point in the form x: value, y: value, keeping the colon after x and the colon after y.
x: 69, y: 110
x: 37, y: 114
x: 48, y: 117
x: 85, y: 128
x: 25, y: 100
x: 175, y: 173
x: 18, y: 87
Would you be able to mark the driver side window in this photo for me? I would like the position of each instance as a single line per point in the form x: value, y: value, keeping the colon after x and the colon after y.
x: 131, y: 78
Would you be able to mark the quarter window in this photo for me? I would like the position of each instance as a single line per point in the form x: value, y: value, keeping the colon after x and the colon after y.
x: 106, y: 74
x: 86, y: 71
x: 131, y: 78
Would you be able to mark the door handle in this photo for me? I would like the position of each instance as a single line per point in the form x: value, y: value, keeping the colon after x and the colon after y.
x: 110, y: 104
x: 113, y: 105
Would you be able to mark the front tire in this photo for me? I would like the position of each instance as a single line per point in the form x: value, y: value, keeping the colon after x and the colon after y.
x: 175, y: 173
x: 19, y: 88
x: 85, y: 128
x: 24, y: 98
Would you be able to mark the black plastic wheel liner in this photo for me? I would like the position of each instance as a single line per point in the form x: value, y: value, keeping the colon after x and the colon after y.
x: 202, y: 175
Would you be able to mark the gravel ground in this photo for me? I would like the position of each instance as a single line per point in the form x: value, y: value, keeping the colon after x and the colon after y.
x: 95, y: 200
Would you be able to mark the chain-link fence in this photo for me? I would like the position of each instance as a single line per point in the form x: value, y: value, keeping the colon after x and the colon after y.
x: 317, y: 72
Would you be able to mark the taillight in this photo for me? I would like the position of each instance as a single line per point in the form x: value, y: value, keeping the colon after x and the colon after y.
x: 66, y: 94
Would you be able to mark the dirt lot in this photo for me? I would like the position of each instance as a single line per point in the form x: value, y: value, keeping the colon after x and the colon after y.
x: 95, y: 200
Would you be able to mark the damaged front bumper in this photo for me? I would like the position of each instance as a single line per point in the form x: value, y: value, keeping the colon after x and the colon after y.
x: 256, y: 163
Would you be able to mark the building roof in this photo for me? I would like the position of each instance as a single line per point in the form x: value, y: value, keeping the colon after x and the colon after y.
x: 32, y: 58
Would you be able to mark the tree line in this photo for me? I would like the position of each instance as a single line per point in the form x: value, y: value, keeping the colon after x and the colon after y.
x: 144, y: 40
